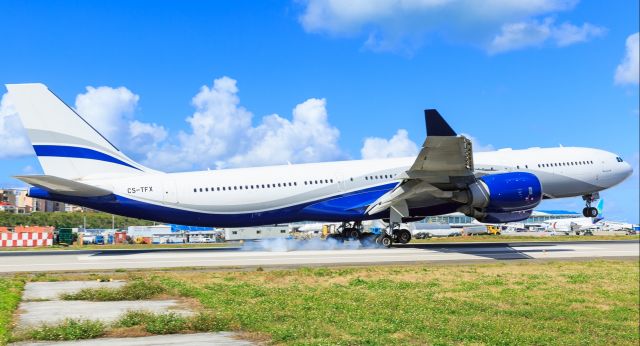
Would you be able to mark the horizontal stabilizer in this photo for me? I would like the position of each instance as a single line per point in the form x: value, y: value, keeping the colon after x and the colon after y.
x: 436, y: 125
x: 63, y: 186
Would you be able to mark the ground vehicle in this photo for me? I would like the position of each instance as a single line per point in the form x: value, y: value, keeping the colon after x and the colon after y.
x: 493, y: 229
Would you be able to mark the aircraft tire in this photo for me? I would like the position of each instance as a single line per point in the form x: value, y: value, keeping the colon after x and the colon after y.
x: 352, y: 234
x: 404, y: 236
x: 386, y: 241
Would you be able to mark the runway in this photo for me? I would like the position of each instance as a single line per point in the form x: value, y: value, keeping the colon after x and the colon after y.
x: 85, y: 260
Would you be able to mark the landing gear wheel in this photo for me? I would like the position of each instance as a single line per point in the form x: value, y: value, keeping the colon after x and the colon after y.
x: 404, y: 236
x: 386, y: 241
x: 590, y: 212
x: 352, y: 234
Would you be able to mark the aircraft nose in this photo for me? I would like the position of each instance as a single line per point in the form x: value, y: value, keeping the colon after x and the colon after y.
x: 627, y: 170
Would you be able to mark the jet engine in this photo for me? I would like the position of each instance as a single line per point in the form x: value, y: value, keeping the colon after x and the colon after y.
x: 502, y: 197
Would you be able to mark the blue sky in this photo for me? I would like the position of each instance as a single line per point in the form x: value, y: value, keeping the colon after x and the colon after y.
x: 510, y: 74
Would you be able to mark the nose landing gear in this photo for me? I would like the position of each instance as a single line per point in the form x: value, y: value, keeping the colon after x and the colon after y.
x: 590, y: 211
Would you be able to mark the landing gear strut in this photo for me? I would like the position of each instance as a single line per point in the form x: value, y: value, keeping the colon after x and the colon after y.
x: 590, y: 211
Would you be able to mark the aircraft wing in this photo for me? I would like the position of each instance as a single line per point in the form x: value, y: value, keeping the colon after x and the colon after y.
x: 444, y: 165
x: 63, y: 186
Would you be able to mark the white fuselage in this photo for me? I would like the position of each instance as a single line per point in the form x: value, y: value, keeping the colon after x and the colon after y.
x: 563, y: 172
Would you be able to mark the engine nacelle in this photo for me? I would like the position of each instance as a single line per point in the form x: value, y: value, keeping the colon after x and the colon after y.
x: 505, y: 192
x: 502, y: 197
x: 512, y: 216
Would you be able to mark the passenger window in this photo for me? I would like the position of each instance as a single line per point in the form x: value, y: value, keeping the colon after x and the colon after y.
x: 200, y: 189
x: 195, y: 190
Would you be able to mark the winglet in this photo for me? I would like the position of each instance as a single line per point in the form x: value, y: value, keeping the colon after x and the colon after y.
x: 436, y: 125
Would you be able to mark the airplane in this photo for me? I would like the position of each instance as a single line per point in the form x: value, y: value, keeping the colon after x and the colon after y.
x: 577, y: 224
x: 84, y: 168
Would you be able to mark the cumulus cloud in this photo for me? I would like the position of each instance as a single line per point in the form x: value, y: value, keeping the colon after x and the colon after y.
x: 13, y: 138
x: 111, y: 112
x: 403, y: 25
x: 477, y: 145
x: 520, y: 35
x: 222, y: 134
x: 401, y: 146
x: 627, y: 72
x: 397, y: 146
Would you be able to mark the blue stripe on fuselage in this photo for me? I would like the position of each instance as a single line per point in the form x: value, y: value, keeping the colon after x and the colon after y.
x: 77, y: 152
x: 349, y: 206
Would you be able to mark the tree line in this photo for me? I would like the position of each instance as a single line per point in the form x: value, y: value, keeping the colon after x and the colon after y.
x: 62, y: 220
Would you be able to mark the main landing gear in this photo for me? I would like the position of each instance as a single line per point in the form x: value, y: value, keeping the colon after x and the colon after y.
x: 398, y: 235
x: 354, y: 231
x: 590, y: 211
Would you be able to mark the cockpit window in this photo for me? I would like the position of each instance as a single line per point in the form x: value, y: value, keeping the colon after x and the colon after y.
x: 619, y: 159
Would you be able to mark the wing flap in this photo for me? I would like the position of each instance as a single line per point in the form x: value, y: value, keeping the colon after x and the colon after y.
x: 63, y: 186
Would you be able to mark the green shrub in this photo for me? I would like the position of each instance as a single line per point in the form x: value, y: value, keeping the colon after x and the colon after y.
x: 134, y: 290
x: 208, y: 322
x: 134, y: 318
x: 69, y: 330
x: 168, y: 323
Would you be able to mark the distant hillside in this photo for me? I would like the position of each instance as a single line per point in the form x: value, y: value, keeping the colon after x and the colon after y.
x: 60, y: 219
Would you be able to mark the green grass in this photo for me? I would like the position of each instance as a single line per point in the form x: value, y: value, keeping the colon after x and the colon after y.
x: 10, y: 292
x: 508, y: 303
x: 561, y: 303
x: 133, y: 290
x: 68, y: 330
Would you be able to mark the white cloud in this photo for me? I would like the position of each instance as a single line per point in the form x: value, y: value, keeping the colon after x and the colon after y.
x: 535, y: 33
x: 398, y: 146
x: 222, y: 134
x: 111, y: 112
x: 107, y: 109
x: 13, y: 138
x: 628, y: 72
x: 403, y: 25
x: 477, y: 146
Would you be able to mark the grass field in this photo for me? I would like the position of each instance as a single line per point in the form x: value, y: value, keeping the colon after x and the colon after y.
x: 510, y: 303
x: 10, y: 292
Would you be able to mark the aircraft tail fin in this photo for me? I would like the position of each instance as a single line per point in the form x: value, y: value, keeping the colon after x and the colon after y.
x: 600, y: 213
x: 66, y: 145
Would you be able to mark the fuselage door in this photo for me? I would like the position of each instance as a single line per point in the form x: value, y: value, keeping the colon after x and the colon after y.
x: 169, y: 191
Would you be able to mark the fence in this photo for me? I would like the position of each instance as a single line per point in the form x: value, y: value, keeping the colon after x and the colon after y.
x: 25, y: 239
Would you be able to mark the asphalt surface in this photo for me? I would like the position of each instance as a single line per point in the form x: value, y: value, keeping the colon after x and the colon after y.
x: 282, y: 255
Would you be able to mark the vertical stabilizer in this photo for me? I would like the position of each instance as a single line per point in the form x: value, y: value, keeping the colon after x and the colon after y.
x: 67, y: 146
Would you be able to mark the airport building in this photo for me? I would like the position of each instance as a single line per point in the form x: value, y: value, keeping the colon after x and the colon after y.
x: 537, y: 217
x: 15, y: 200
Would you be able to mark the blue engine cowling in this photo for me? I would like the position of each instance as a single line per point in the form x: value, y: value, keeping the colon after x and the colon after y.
x: 505, y: 192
